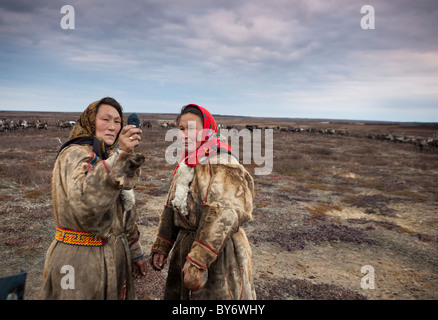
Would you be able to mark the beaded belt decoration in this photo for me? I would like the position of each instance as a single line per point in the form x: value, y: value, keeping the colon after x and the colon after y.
x: 78, y: 238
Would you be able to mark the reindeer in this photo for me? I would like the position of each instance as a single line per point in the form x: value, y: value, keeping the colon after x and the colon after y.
x: 432, y: 144
x: 65, y: 124
x: 251, y: 127
x: 24, y: 124
x: 42, y: 125
x: 13, y: 125
x: 420, y: 143
x: 3, y: 125
x: 146, y: 124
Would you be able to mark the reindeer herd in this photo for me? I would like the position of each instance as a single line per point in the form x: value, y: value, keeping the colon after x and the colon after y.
x: 8, y: 125
x: 12, y: 125
x: 419, y: 143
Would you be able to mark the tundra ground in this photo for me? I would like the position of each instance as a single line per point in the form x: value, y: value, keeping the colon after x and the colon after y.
x: 334, y: 208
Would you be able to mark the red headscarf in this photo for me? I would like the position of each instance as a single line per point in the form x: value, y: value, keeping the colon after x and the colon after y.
x: 211, y: 141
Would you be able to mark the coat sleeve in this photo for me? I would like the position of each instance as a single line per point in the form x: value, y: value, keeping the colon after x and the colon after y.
x: 229, y: 205
x: 167, y: 233
x: 133, y: 234
x: 92, y: 185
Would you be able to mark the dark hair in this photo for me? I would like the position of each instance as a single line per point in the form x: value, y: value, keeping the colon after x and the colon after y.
x: 113, y: 103
x: 190, y: 108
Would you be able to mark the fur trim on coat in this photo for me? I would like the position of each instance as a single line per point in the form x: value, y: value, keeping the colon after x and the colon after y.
x: 182, y: 183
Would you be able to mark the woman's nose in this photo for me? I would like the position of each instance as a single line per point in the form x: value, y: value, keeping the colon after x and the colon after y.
x: 112, y: 125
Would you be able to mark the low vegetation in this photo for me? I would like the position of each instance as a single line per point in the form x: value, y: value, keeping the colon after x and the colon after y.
x: 332, y: 203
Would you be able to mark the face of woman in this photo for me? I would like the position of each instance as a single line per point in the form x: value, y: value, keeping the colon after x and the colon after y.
x: 190, y: 125
x: 108, y: 123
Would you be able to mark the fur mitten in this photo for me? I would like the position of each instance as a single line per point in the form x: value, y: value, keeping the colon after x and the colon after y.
x: 194, y: 278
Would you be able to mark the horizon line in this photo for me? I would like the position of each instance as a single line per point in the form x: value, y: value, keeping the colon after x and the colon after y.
x: 247, y: 116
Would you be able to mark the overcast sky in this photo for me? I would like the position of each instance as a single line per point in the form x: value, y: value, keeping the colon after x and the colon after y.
x: 273, y: 58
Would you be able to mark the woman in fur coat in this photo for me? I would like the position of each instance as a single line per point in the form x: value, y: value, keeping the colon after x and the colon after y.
x: 210, y: 197
x: 96, y: 250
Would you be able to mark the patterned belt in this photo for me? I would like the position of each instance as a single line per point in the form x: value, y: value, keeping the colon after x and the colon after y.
x: 78, y: 238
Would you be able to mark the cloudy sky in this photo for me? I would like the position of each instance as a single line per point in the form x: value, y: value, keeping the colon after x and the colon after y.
x: 273, y: 58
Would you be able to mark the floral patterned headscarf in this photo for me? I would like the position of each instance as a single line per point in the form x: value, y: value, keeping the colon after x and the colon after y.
x: 211, y: 143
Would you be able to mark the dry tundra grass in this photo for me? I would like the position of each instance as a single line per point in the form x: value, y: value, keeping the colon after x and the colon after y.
x: 333, y: 204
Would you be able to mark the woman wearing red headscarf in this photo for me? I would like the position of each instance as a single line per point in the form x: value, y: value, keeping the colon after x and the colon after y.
x: 210, y: 197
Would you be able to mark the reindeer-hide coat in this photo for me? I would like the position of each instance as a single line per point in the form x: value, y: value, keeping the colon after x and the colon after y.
x: 95, y: 196
x: 201, y: 223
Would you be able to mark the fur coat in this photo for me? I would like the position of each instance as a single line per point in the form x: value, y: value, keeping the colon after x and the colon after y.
x: 201, y: 224
x: 94, y: 196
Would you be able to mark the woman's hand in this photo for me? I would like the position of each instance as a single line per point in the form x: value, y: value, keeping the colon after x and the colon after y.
x: 129, y: 138
x: 139, y: 268
x: 158, y: 261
